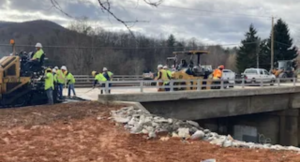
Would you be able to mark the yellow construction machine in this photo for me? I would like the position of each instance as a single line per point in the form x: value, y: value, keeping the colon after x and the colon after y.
x: 19, y: 86
x: 188, y: 73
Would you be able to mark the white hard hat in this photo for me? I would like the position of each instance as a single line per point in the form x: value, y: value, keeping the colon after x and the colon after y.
x: 38, y: 45
x: 63, y: 68
x: 159, y: 66
x: 54, y: 70
x: 104, y: 69
x: 165, y: 67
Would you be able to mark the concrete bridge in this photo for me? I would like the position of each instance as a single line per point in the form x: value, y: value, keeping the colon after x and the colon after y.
x: 271, y: 112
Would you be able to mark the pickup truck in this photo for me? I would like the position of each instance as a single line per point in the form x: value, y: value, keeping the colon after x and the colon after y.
x: 229, y: 76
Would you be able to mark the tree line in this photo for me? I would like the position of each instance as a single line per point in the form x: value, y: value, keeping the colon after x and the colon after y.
x: 84, y: 49
x: 256, y: 52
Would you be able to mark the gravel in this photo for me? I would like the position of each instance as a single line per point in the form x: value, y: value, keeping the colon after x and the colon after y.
x: 138, y: 121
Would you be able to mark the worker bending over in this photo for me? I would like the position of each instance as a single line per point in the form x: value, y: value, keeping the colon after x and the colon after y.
x: 163, y: 75
x: 108, y: 75
x: 218, y: 73
x: 61, y: 80
x: 99, y: 78
x: 49, y: 85
x: 70, y: 83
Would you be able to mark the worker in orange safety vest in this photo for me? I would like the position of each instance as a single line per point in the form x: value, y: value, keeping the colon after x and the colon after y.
x: 217, y: 74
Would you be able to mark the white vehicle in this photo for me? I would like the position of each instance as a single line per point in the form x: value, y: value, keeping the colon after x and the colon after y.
x: 255, y: 75
x: 229, y: 76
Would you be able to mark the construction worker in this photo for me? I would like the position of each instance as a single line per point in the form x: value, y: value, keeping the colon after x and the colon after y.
x: 35, y: 60
x: 61, y: 80
x: 70, y: 83
x: 55, y: 91
x: 49, y: 85
x: 99, y: 78
x: 168, y: 71
x: 217, y: 74
x: 108, y: 75
x: 163, y: 75
x: 39, y: 52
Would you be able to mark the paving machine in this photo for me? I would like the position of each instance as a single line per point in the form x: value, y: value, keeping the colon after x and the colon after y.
x: 190, y: 71
x: 20, y: 86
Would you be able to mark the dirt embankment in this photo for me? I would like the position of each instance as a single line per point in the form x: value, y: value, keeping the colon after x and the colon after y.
x: 80, y: 132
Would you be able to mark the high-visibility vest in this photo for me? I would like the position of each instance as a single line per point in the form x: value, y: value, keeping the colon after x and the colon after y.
x: 70, y: 78
x: 38, y: 54
x: 169, y: 73
x: 100, y: 78
x: 217, y: 74
x: 164, y: 76
x: 49, y: 81
x: 60, y: 77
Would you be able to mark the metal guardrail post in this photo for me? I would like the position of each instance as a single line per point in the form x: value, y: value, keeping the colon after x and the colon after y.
x: 243, y: 83
x: 222, y: 84
x: 278, y: 82
x: 171, y: 85
x: 106, y: 87
x: 198, y: 85
x: 142, y: 86
x: 294, y: 81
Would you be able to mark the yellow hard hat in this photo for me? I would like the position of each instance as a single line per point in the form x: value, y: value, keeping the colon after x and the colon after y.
x: 94, y: 73
x: 48, y: 69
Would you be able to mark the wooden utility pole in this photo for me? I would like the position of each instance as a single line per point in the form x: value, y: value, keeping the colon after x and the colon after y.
x: 272, y: 45
x: 257, y: 53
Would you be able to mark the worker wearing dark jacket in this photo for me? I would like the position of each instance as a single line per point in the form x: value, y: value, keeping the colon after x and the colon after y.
x: 108, y: 75
x: 99, y: 78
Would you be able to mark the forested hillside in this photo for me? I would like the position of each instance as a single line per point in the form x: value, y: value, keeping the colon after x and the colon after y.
x: 83, y: 49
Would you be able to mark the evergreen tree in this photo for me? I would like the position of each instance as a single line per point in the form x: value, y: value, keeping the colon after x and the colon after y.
x: 283, y: 45
x: 246, y: 55
x: 171, y: 42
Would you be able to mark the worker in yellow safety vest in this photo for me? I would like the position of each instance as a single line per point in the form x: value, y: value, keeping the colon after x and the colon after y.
x: 61, y: 80
x: 99, y: 78
x: 36, y: 58
x: 70, y: 83
x: 217, y: 74
x: 163, y: 75
x: 108, y: 75
x: 49, y: 85
x: 168, y: 71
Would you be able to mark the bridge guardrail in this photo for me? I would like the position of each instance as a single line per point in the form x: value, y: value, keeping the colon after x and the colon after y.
x: 83, y: 81
x: 140, y: 85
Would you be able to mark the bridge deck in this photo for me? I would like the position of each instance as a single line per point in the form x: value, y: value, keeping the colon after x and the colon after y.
x: 90, y: 94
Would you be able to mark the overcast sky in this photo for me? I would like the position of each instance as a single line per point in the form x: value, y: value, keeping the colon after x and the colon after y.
x: 209, y: 21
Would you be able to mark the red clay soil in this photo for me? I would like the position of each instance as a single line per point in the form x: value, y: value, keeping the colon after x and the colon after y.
x: 72, y: 133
